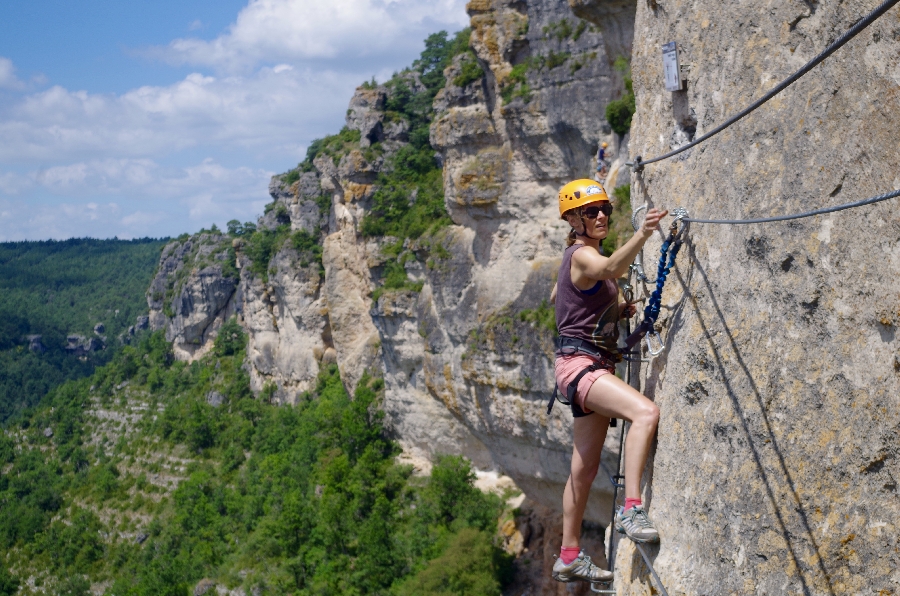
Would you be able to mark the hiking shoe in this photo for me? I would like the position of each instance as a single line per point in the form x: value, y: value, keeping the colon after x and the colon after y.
x: 635, y: 524
x: 580, y: 569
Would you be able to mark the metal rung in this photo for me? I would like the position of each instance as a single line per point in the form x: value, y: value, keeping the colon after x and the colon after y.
x: 595, y: 591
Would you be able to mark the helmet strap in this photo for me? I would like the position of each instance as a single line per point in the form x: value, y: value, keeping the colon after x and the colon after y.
x: 583, y: 225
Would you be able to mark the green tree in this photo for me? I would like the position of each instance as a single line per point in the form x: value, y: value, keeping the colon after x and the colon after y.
x: 9, y: 584
x: 470, y: 565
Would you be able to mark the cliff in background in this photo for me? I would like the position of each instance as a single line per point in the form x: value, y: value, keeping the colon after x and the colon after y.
x: 776, y: 464
x: 463, y: 344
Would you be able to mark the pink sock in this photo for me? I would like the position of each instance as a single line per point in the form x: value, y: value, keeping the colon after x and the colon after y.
x: 569, y: 554
x: 629, y: 503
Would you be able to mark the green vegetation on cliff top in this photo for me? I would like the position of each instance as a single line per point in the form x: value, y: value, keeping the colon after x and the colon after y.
x: 409, y: 198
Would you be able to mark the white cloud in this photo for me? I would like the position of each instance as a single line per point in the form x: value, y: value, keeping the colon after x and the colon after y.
x: 275, y: 110
x: 298, y: 30
x: 12, y: 183
x: 142, y: 198
x: 8, y: 79
x: 166, y: 159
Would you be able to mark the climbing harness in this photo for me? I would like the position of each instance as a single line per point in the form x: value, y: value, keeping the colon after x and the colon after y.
x: 668, y: 253
x: 638, y: 163
x: 567, y: 346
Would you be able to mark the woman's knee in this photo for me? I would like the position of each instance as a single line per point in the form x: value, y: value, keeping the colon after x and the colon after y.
x: 584, y: 474
x: 648, y: 415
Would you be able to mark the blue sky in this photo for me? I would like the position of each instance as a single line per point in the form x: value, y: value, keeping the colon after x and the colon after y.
x: 142, y: 118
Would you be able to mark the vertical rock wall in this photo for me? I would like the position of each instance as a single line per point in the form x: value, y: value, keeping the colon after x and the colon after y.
x: 508, y: 143
x: 776, y: 467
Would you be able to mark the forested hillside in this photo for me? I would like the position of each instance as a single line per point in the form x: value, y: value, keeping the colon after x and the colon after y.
x: 60, y: 289
x: 126, y: 471
x: 157, y: 477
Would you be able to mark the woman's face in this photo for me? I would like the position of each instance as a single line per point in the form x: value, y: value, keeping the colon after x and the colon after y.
x: 597, y: 222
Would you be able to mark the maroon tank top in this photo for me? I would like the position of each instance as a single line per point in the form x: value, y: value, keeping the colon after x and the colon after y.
x: 591, y: 315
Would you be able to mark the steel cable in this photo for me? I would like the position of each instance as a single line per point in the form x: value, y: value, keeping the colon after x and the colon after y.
x: 836, y: 45
x: 869, y: 201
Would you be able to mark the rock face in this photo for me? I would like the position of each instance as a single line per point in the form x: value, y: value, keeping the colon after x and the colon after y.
x: 193, y: 291
x: 614, y: 18
x: 776, y: 468
x: 508, y: 144
x: 36, y: 343
x: 76, y: 345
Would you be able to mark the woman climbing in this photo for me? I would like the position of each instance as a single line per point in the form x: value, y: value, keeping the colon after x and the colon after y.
x: 602, y: 164
x: 588, y: 309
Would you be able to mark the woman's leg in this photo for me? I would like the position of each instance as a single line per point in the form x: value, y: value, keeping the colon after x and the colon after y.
x: 589, y: 435
x: 612, y: 397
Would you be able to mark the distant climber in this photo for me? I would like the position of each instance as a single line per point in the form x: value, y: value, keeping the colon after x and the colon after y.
x: 601, y: 152
x: 602, y: 164
x: 588, y: 308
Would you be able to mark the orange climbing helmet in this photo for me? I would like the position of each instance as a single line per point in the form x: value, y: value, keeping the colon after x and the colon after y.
x: 578, y: 193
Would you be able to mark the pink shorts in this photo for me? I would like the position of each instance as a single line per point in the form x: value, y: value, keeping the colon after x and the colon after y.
x: 568, y: 367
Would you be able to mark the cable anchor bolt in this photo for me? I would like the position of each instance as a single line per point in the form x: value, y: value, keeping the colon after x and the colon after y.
x: 680, y: 214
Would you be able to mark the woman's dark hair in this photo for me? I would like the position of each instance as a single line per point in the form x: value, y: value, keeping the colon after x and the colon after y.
x: 570, y: 239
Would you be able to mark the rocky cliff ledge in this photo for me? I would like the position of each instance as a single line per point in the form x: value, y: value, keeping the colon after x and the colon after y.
x: 777, y: 462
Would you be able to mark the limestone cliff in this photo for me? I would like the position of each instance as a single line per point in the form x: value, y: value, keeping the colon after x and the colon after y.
x: 466, y: 361
x: 776, y: 467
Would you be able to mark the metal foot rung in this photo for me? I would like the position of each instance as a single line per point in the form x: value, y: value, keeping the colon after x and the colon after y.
x: 596, y: 591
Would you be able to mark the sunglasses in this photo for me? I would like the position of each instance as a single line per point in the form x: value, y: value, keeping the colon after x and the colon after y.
x: 592, y: 212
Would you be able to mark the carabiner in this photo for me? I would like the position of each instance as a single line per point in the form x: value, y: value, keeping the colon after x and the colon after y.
x: 650, y: 349
x: 634, y: 217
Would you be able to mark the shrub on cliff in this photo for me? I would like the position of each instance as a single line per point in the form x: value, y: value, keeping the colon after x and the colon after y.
x: 469, y: 71
x: 230, y: 340
x: 620, y: 111
x: 410, y: 198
